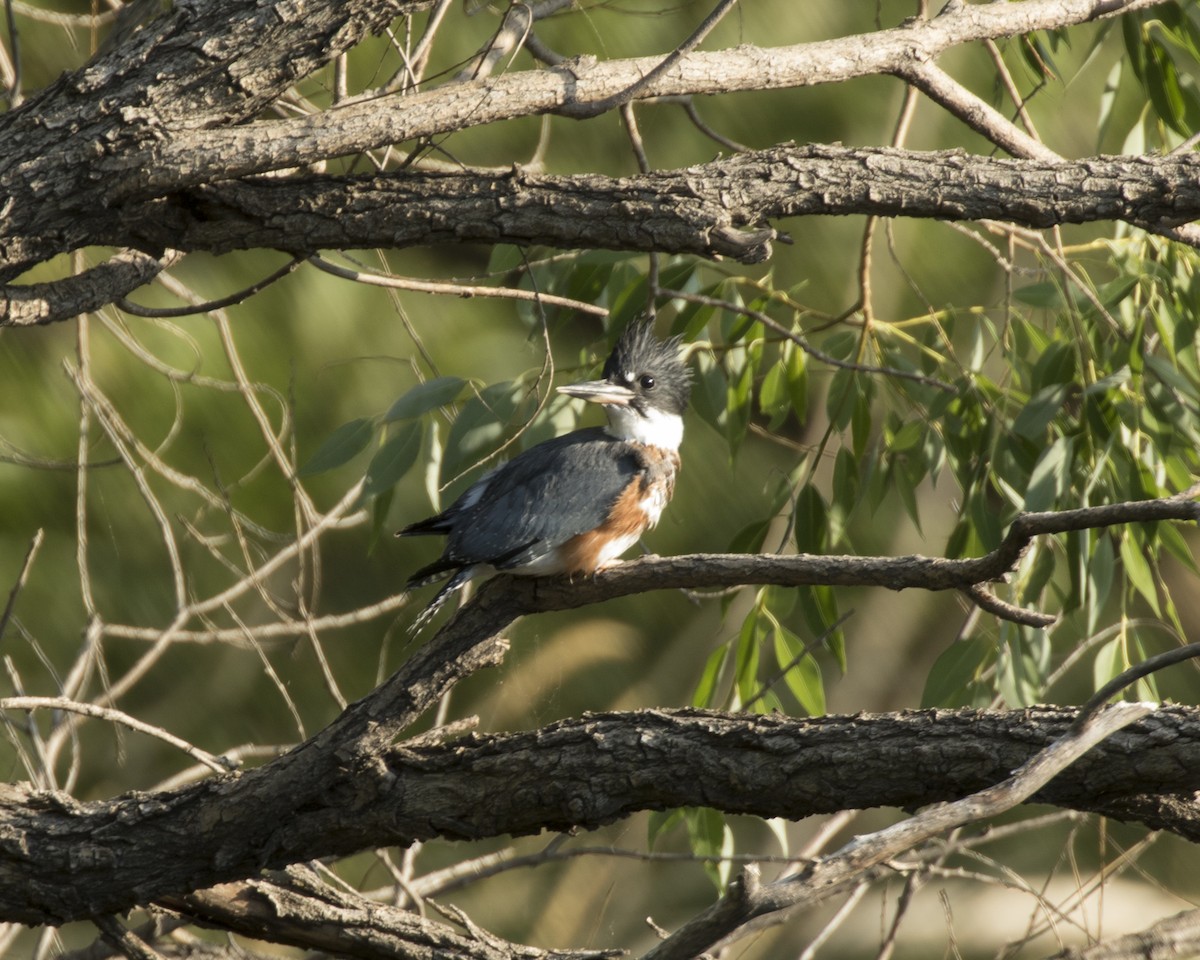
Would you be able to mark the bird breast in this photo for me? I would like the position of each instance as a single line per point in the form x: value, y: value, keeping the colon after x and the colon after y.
x: 635, y: 510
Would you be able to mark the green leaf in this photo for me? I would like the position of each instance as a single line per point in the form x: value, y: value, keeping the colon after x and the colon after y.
x: 737, y: 407
x: 1100, y: 568
x: 1137, y: 570
x: 481, y: 424
x: 812, y: 520
x: 711, y: 837
x: 861, y: 422
x: 709, y: 390
x: 908, y: 497
x: 341, y: 446
x: 706, y: 688
x: 1046, y: 295
x: 1042, y: 407
x: 818, y: 607
x: 959, y: 666
x: 802, y: 676
x: 1174, y: 542
x: 745, y: 668
x: 1055, y: 365
x: 662, y: 822
x: 908, y: 436
x: 379, y: 511
x: 425, y: 397
x: 797, y: 380
x: 845, y: 493
x: 1018, y: 675
x: 1110, y: 660
x: 773, y: 399
x: 393, y: 460
x: 750, y: 538
x: 840, y: 400
x: 1040, y: 572
x: 1048, y: 481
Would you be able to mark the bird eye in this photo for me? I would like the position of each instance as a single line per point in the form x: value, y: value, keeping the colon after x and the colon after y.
x: 646, y: 381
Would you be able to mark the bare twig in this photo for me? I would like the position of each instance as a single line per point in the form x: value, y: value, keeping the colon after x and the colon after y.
x: 802, y: 342
x: 125, y: 940
x: 34, y: 545
x: 207, y: 306
x: 294, y: 908
x: 217, y: 764
x: 466, y: 291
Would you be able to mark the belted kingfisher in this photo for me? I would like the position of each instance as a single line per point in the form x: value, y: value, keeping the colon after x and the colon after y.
x: 573, y: 504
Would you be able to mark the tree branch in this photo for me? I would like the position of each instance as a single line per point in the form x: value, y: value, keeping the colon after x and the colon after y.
x: 62, y: 860
x: 718, y: 209
x: 509, y: 597
x: 38, y: 303
x: 166, y: 846
x: 200, y: 66
x: 1177, y: 936
x: 203, y: 156
x: 746, y: 899
x: 296, y: 908
x: 166, y: 112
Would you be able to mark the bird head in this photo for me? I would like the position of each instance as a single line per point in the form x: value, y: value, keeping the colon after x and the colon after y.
x: 644, y: 390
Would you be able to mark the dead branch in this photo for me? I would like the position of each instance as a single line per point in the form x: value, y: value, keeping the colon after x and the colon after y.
x: 296, y: 907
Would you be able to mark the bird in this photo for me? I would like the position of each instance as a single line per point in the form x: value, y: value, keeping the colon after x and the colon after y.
x: 573, y: 504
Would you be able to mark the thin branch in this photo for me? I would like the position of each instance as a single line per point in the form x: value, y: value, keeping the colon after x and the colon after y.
x: 580, y: 110
x: 39, y: 303
x: 214, y: 763
x: 125, y: 940
x: 506, y: 597
x: 1139, y: 670
x: 275, y: 630
x: 298, y: 909
x: 23, y: 575
x: 453, y: 289
x: 13, y: 95
x: 208, y: 306
x: 986, y: 600
x: 802, y: 342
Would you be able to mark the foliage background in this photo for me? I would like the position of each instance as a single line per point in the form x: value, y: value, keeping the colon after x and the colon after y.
x: 1075, y: 381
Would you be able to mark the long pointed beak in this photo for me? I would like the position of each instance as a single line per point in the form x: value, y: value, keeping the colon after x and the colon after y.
x: 599, y: 391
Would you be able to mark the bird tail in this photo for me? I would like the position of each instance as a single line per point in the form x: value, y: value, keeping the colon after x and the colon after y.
x: 451, y: 586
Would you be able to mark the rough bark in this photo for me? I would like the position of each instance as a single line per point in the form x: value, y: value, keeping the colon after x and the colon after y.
x: 719, y: 209
x: 63, y: 860
x: 130, y: 150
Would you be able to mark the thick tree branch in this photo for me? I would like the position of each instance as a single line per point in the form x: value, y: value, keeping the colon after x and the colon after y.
x: 717, y: 209
x: 165, y: 111
x: 218, y: 154
x: 747, y: 900
x: 200, y: 66
x: 61, y: 860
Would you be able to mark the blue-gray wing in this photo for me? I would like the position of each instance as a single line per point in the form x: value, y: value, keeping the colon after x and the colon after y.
x: 540, y: 499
